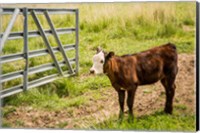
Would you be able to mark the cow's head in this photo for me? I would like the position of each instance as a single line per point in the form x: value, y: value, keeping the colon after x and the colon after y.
x: 99, y: 61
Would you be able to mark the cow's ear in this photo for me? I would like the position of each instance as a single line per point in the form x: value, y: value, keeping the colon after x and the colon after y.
x: 110, y: 54
x: 105, y: 53
x: 98, y: 50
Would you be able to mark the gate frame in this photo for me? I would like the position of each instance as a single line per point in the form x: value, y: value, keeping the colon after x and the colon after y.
x: 26, y: 54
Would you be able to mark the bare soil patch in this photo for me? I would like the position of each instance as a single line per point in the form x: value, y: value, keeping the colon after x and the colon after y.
x: 148, y: 99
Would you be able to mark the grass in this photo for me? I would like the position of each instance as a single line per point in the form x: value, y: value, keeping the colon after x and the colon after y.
x: 62, y: 125
x: 157, y: 121
x: 120, y: 27
x: 181, y: 107
x: 61, y: 94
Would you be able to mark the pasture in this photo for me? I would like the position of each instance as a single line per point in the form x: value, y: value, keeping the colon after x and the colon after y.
x: 88, y: 101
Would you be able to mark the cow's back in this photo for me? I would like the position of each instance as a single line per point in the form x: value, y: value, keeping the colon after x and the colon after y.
x: 156, y: 63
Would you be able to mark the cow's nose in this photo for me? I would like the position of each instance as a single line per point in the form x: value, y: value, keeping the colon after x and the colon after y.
x: 92, y: 71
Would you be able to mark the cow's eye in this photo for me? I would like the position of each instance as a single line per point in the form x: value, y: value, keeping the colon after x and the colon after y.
x: 101, y: 61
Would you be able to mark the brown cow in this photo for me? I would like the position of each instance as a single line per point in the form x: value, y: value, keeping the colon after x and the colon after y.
x: 127, y: 72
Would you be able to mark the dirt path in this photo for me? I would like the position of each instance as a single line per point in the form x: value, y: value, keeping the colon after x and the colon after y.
x: 148, y: 99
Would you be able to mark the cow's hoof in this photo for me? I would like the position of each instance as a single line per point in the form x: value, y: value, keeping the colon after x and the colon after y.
x: 168, y: 111
x: 121, y: 117
x: 119, y: 121
x: 130, y: 119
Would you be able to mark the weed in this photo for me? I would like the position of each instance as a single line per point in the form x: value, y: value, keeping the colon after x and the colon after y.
x: 62, y: 125
x: 181, y: 107
x: 7, y: 111
x: 19, y: 123
x: 6, y: 124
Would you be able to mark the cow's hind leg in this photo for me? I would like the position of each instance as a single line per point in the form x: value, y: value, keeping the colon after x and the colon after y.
x: 169, y: 86
x: 130, y: 102
x: 121, y: 96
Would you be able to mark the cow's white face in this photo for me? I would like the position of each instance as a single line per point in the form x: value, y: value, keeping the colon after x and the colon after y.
x: 98, y: 61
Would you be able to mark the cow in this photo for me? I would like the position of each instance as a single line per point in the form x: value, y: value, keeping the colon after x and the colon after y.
x: 127, y: 72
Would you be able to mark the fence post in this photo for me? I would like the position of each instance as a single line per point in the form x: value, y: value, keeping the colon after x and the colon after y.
x: 25, y: 35
x: 77, y: 40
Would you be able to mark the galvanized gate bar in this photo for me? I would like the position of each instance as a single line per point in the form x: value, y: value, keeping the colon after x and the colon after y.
x: 48, y: 66
x: 43, y: 80
x: 46, y: 41
x: 58, y: 41
x: 25, y: 34
x: 18, y: 56
x: 19, y: 35
x: 32, y: 70
x: 77, y: 40
x: 35, y: 83
x: 11, y: 91
x: 55, y: 50
x: 7, y: 11
x: 11, y: 76
x: 8, y: 29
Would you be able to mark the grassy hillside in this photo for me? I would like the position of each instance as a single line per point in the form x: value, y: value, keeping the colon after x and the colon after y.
x: 120, y: 27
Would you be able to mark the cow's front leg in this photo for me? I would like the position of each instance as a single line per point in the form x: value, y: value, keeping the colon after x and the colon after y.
x: 121, y: 96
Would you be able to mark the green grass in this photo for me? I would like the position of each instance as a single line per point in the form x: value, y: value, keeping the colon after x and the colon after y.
x: 60, y: 94
x: 181, y: 107
x: 6, y: 125
x: 62, y: 125
x: 154, y: 122
x: 120, y: 27
x: 45, y: 100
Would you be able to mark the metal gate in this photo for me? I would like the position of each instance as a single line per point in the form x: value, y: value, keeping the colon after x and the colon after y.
x: 27, y: 54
